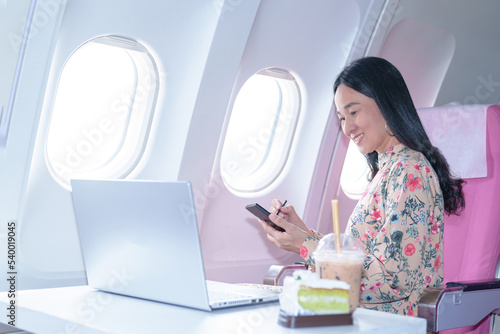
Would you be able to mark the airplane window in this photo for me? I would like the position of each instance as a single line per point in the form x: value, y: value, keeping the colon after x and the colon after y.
x: 355, y: 173
x: 102, y: 110
x: 260, y: 131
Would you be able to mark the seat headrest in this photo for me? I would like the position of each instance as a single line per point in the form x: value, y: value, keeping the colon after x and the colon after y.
x: 459, y: 131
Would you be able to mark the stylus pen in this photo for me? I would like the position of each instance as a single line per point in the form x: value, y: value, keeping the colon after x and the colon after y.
x: 282, y: 205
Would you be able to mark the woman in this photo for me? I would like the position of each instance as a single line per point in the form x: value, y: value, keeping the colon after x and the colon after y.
x: 399, y: 219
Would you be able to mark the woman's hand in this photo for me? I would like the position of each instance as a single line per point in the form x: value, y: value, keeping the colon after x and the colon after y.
x: 295, y: 230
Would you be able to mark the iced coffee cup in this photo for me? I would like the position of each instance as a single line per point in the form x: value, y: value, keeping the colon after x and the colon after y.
x: 346, y: 265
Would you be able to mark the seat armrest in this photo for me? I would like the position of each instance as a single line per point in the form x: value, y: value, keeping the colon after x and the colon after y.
x: 476, y: 285
x: 459, y: 304
x: 427, y: 306
x: 277, y: 273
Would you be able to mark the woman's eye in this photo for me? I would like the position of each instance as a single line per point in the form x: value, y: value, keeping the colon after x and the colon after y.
x: 353, y: 113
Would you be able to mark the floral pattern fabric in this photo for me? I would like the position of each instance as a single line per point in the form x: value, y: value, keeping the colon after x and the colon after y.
x: 399, y: 222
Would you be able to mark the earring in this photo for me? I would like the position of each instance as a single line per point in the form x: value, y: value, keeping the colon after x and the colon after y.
x: 387, y: 130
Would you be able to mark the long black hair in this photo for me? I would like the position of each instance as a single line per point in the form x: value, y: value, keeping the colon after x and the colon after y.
x: 378, y: 79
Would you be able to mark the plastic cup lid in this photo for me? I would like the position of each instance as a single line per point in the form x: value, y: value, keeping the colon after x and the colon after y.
x: 351, y: 248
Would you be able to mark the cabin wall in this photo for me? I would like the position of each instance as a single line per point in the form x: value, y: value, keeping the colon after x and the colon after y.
x: 30, y: 48
x: 179, y: 38
x: 205, y: 52
x: 473, y: 74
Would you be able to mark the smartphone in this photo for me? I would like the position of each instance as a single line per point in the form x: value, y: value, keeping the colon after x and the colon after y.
x: 262, y: 214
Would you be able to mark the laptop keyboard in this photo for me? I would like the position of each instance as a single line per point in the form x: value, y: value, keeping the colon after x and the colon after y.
x: 218, y: 292
x: 225, y: 294
x: 215, y: 295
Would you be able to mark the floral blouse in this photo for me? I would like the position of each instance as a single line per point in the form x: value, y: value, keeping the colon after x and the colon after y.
x: 399, y: 222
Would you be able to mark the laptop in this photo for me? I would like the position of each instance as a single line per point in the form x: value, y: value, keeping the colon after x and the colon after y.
x: 141, y: 239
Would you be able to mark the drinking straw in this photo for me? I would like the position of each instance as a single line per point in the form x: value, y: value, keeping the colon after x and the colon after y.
x: 336, y: 224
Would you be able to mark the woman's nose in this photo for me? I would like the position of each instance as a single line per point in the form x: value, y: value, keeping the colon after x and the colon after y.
x: 348, y: 127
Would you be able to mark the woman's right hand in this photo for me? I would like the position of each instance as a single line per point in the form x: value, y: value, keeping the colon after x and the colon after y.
x: 295, y: 229
x: 288, y: 213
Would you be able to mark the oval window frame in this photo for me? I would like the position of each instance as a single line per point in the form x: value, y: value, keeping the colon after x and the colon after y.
x: 267, y: 171
x: 137, y: 116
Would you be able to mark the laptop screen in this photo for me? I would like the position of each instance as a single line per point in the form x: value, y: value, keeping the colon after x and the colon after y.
x: 141, y: 238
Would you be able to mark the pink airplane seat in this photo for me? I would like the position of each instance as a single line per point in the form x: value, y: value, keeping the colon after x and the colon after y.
x: 472, y: 240
x: 471, y: 249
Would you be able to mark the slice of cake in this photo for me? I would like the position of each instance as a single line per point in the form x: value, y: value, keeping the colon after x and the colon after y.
x: 305, y: 293
x: 324, y: 301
